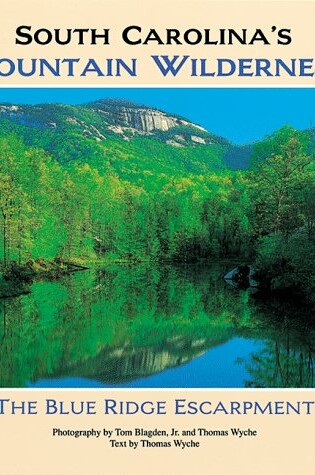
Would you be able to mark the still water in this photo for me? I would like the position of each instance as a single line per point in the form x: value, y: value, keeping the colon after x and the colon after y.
x: 153, y: 326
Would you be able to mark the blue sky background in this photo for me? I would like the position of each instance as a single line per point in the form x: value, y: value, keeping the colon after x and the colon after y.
x: 241, y: 115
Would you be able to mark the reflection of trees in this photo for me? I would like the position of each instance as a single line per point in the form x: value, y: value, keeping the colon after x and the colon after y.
x: 280, y: 366
x: 287, y: 359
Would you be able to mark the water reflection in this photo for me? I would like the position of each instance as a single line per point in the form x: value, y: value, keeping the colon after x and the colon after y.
x: 159, y: 326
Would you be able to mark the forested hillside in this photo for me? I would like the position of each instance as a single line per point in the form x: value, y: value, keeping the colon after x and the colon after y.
x: 85, y: 184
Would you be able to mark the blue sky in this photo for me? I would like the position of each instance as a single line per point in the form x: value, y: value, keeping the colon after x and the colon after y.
x: 242, y: 115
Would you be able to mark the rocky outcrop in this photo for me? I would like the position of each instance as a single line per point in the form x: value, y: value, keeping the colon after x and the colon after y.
x: 143, y: 119
x: 148, y: 119
x: 242, y: 277
x: 196, y: 139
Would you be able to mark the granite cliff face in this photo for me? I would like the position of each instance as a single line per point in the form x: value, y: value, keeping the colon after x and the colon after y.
x: 128, y: 119
x: 145, y: 120
x: 148, y: 120
x: 141, y: 118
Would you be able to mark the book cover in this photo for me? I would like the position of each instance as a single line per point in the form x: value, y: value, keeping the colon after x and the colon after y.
x: 157, y: 237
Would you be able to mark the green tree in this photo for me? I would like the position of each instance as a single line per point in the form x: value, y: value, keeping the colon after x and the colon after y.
x: 276, y: 183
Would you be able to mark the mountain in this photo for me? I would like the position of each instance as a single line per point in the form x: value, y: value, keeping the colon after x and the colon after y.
x: 111, y: 117
x: 112, y: 129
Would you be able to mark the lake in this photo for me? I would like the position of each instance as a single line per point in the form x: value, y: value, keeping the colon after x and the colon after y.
x: 150, y: 325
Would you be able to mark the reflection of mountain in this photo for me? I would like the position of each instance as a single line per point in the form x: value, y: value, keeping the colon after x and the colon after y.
x: 121, y: 364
